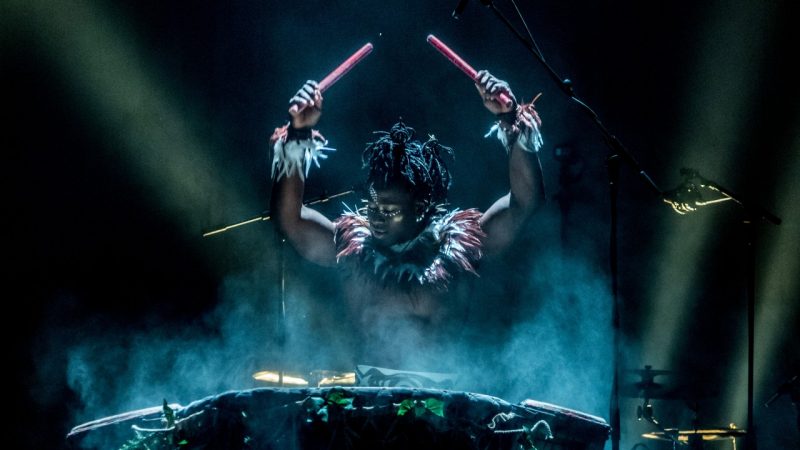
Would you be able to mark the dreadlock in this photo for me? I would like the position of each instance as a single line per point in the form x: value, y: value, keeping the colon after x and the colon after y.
x: 396, y: 157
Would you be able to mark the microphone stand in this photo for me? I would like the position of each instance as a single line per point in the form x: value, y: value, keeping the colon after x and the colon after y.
x: 617, y: 154
x: 793, y: 388
x: 753, y: 212
x: 266, y: 216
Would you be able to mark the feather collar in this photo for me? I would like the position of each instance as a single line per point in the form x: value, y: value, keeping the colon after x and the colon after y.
x: 451, y: 243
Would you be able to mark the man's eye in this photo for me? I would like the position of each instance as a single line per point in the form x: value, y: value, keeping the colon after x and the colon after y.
x: 385, y: 212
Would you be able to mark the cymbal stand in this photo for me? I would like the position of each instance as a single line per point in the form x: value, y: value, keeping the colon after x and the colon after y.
x: 695, y: 441
x: 645, y: 412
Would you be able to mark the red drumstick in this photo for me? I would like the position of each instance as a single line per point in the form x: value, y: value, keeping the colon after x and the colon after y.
x: 461, y: 64
x: 340, y: 71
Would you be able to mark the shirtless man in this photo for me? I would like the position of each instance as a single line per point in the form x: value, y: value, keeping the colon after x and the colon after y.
x: 404, y: 249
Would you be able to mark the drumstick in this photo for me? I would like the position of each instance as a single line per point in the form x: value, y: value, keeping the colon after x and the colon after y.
x: 340, y: 71
x: 461, y: 64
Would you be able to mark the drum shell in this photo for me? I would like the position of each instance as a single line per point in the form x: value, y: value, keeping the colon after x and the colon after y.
x: 290, y: 419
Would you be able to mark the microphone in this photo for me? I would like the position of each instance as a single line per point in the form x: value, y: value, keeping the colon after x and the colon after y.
x: 782, y: 389
x: 686, y: 196
x: 462, y: 4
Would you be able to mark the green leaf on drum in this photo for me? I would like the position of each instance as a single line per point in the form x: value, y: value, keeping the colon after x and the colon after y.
x: 420, y: 407
x: 435, y: 406
x: 405, y: 406
x: 339, y: 398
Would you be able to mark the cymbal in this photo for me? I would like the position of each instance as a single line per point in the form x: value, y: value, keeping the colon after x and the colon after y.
x: 317, y: 378
x: 710, y: 434
x: 649, y: 389
x: 646, y: 387
x: 677, y: 387
x: 333, y: 378
x: 280, y: 378
x: 659, y: 391
x: 648, y: 372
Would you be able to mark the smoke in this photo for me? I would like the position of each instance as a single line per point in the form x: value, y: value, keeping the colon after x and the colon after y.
x: 535, y: 324
x: 546, y: 334
x: 540, y: 316
x: 115, y: 367
x: 562, y: 352
x: 118, y: 365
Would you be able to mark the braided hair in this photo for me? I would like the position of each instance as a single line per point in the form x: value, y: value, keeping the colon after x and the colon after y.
x: 397, y: 158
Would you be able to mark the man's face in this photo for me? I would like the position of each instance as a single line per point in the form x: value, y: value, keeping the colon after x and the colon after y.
x: 392, y: 215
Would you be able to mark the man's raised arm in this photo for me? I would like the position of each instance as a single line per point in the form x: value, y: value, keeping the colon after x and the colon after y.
x: 517, y: 128
x: 296, y: 147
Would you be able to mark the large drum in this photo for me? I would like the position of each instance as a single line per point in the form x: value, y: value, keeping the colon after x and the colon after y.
x: 346, y: 418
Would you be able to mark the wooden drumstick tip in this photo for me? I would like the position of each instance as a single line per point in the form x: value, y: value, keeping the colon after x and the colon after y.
x: 339, y: 72
x: 462, y: 65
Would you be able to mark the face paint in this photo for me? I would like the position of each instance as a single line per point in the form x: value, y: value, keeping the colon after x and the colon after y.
x: 392, y: 216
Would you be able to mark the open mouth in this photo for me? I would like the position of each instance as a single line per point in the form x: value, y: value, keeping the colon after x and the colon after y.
x: 378, y: 233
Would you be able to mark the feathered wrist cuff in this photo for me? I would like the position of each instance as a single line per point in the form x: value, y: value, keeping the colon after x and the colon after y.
x: 295, y: 149
x: 520, y: 126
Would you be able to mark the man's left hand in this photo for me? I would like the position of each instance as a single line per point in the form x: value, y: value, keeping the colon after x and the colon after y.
x: 490, y: 87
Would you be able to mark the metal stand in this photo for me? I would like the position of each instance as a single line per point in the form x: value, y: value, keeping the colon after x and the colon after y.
x: 792, y: 387
x: 753, y: 213
x: 613, y: 190
x: 282, y: 328
x: 750, y: 442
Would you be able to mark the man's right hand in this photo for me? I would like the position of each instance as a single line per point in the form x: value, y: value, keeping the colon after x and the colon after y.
x: 305, y: 107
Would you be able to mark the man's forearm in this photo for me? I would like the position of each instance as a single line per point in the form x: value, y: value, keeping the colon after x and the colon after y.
x: 308, y: 231
x: 525, y: 180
